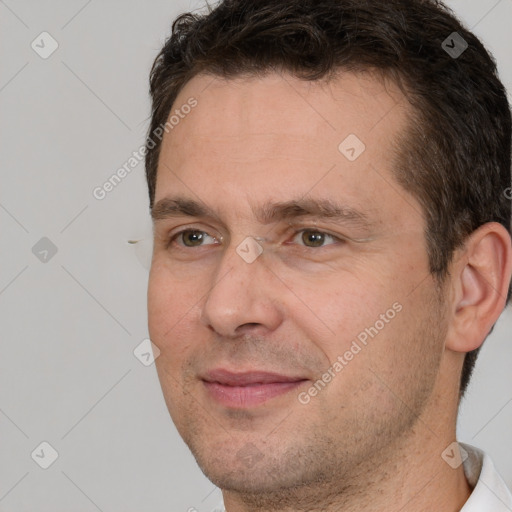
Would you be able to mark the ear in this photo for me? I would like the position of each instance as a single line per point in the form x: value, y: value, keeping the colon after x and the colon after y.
x: 481, y: 275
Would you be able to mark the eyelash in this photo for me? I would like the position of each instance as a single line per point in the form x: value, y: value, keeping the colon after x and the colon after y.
x: 338, y: 239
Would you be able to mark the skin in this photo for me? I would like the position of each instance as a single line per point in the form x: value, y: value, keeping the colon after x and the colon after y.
x: 372, y: 439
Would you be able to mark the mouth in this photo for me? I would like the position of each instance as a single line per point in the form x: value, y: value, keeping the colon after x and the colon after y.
x: 248, y: 389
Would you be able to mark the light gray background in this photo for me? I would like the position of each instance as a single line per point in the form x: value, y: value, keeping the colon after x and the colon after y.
x: 69, y: 326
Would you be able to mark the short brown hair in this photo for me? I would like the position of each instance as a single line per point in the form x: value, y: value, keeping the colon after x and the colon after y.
x: 455, y: 158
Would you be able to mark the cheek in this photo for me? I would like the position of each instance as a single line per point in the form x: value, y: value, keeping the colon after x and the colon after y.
x: 170, y: 307
x: 374, y: 316
x: 158, y: 306
x: 406, y: 354
x: 336, y: 311
x: 170, y: 289
x: 169, y: 321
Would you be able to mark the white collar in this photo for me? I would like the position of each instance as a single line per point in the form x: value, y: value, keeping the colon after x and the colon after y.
x: 490, y: 494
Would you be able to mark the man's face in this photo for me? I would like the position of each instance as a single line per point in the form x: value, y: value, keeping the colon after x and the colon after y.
x: 347, y: 282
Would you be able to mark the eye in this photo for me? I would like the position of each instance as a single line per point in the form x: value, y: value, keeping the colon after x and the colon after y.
x: 311, y: 238
x: 193, y: 238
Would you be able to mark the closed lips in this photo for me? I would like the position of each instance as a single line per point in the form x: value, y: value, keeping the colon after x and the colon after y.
x: 252, y: 378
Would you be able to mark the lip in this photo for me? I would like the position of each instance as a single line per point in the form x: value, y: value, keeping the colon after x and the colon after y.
x: 248, y: 389
x: 248, y: 378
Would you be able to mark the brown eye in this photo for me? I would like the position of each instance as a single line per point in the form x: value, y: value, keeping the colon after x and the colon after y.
x: 193, y: 238
x: 313, y: 238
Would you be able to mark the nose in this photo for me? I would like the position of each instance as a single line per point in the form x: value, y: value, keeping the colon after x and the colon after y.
x: 243, y: 299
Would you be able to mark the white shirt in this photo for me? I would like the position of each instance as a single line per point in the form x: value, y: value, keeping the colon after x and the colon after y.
x: 490, y: 494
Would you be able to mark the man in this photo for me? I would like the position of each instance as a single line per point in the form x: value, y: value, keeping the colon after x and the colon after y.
x: 328, y: 183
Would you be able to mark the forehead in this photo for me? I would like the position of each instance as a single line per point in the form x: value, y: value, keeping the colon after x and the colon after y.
x: 347, y: 103
x: 278, y: 135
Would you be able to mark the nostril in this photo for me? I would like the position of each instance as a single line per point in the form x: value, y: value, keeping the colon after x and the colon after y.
x: 248, y: 327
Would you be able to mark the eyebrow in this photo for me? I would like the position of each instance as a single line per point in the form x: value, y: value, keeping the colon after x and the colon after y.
x: 170, y: 207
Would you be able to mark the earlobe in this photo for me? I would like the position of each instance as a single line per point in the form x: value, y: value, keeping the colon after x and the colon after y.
x: 482, y: 277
